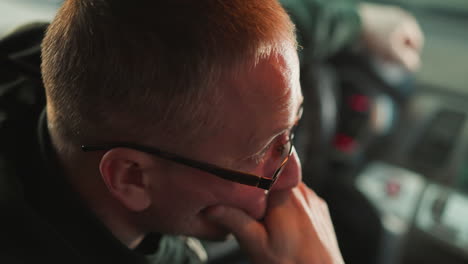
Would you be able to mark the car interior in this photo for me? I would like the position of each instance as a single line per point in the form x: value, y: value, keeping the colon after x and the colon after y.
x: 386, y: 148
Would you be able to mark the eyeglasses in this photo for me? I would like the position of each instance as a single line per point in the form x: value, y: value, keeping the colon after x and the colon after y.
x: 228, y: 174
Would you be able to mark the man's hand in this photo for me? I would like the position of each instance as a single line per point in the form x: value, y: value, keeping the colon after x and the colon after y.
x: 392, y: 33
x: 296, y: 229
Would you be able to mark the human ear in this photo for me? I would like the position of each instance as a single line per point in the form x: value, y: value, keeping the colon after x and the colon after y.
x: 125, y: 173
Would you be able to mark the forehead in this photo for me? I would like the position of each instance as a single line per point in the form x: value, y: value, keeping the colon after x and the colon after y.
x: 260, y: 102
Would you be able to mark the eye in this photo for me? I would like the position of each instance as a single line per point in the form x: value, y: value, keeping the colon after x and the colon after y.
x: 259, y: 158
x: 281, y: 149
x: 283, y: 145
x: 277, y: 149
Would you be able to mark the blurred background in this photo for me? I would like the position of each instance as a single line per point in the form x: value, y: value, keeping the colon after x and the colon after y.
x: 387, y: 149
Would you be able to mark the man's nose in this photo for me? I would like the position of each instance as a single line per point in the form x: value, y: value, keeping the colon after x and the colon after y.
x: 291, y: 175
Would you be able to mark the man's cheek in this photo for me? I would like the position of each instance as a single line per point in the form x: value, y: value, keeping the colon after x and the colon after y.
x: 253, y: 202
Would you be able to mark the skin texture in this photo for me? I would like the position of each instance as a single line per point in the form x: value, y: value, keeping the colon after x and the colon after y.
x: 134, y: 193
x: 258, y: 106
x: 296, y: 229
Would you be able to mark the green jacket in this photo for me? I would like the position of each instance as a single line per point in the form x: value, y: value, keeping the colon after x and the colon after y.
x: 324, y: 27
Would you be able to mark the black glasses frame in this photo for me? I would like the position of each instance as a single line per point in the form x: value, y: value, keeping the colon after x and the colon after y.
x: 227, y: 174
x: 224, y: 173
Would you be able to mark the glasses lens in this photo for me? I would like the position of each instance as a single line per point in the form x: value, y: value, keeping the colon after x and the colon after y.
x: 287, y: 150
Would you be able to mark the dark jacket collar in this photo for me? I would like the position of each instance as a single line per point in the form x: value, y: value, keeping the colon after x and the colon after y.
x: 56, y: 200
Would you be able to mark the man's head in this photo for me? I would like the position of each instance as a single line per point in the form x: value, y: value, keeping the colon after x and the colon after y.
x: 215, y: 81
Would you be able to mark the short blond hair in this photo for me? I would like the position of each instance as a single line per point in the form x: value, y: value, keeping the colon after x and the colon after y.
x: 121, y: 70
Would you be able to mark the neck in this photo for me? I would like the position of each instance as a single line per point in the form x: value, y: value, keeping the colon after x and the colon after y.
x: 82, y: 170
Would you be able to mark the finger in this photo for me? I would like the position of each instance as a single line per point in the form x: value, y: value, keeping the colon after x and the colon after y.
x: 278, y: 198
x: 317, y: 205
x: 321, y: 216
x: 311, y: 198
x: 284, y: 207
x: 250, y: 233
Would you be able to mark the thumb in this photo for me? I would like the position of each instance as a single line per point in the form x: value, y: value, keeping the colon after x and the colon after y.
x: 249, y: 232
